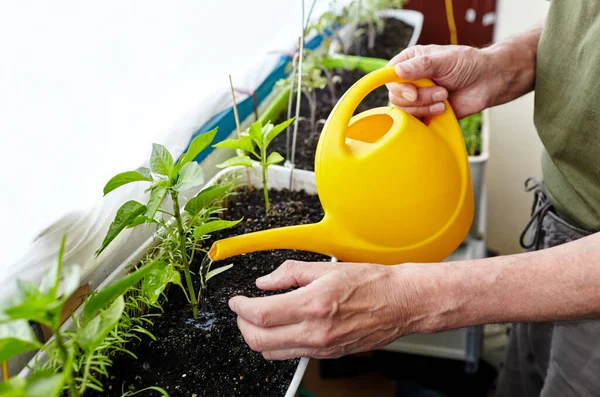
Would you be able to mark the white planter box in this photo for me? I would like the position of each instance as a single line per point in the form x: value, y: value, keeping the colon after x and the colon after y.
x: 477, y: 165
x: 278, y: 179
x: 410, y: 17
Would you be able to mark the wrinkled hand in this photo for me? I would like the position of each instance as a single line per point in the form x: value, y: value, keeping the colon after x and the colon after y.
x: 465, y: 76
x: 340, y: 308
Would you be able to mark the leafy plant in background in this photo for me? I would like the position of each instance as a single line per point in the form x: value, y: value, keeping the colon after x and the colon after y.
x: 255, y: 140
x: 135, y: 318
x: 170, y: 178
x: 44, y: 304
x: 312, y: 79
x: 364, y: 12
x: 471, y: 130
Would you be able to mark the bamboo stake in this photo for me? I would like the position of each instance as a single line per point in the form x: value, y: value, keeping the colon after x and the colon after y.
x: 4, y: 371
x: 237, y: 123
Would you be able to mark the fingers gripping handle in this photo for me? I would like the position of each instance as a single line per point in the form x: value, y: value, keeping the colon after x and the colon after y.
x: 346, y: 106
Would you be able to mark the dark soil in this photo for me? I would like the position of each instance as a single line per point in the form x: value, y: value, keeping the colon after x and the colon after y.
x: 208, y: 356
x: 394, y: 38
x: 307, y: 139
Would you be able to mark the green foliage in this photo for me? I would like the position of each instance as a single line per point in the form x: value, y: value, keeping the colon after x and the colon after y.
x: 72, y: 354
x: 255, y: 141
x: 471, y: 130
x: 154, y: 388
x: 39, y: 384
x: 179, y: 237
x: 16, y: 337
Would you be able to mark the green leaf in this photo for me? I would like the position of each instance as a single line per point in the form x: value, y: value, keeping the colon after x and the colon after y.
x: 198, y: 144
x: 213, y: 226
x: 244, y: 161
x: 16, y: 337
x: 93, y: 333
x: 157, y: 197
x: 157, y: 280
x: 217, y: 271
x: 275, y: 131
x: 35, y: 305
x: 106, y: 295
x: 140, y: 220
x: 125, y: 215
x: 274, y: 158
x: 71, y: 279
x: 161, y: 161
x: 190, y: 176
x: 255, y: 131
x: 243, y: 143
x: 162, y: 391
x: 127, y: 177
x: 205, y: 198
x: 39, y: 384
x: 145, y: 171
x: 44, y: 384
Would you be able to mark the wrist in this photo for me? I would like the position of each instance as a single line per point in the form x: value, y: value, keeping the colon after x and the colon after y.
x: 512, y: 63
x: 426, y: 300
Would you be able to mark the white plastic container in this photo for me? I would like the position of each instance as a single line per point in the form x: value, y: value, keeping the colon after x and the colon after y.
x: 278, y: 179
x: 410, y: 17
x: 477, y: 165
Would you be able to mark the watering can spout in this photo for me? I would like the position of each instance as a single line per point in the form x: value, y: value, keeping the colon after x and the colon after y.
x: 310, y: 237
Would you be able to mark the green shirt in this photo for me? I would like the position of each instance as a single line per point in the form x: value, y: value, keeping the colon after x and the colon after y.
x: 567, y: 109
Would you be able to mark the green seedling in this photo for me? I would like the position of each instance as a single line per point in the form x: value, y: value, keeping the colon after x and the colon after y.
x: 255, y: 141
x: 44, y: 304
x: 181, y: 231
x: 312, y: 79
x: 364, y: 12
x: 471, y: 130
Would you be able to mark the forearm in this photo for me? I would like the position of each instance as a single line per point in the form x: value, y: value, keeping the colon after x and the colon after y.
x: 561, y: 283
x: 514, y: 60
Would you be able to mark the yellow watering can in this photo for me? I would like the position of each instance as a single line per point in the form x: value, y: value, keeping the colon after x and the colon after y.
x: 394, y: 189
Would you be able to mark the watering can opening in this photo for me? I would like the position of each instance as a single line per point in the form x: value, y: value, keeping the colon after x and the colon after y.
x: 370, y: 128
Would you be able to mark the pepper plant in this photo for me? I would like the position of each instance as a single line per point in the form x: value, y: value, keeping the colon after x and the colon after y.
x: 364, y: 12
x: 181, y: 231
x: 44, y: 304
x: 312, y: 79
x: 255, y: 141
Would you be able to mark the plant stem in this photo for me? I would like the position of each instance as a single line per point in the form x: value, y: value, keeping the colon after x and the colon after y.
x: 255, y: 104
x: 67, y: 361
x: 265, y: 190
x: 330, y: 85
x: 182, y: 247
x: 311, y: 97
x: 86, y: 374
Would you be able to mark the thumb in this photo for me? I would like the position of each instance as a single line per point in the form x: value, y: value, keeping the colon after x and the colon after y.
x: 294, y: 274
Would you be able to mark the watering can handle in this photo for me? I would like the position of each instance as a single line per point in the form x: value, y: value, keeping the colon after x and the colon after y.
x: 344, y: 109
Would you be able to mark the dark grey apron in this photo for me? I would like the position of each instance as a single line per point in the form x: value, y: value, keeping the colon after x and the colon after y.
x: 550, y: 359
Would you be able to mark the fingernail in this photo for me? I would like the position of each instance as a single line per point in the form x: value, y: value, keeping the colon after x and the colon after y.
x: 439, y: 96
x: 409, y: 95
x: 437, y: 108
x: 406, y: 68
x: 231, y: 302
x: 263, y: 279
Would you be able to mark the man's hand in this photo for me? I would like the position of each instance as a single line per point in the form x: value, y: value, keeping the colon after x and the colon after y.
x: 470, y: 79
x: 464, y: 75
x: 340, y: 308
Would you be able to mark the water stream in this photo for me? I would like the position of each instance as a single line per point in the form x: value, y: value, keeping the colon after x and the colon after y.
x: 204, y: 268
